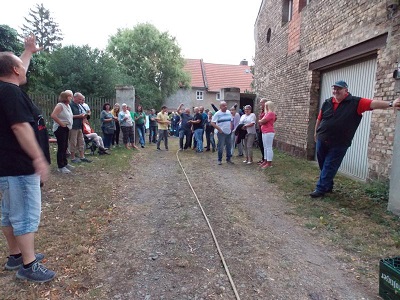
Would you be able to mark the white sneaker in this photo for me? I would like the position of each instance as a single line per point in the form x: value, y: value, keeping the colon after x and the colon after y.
x: 64, y: 170
x: 69, y: 167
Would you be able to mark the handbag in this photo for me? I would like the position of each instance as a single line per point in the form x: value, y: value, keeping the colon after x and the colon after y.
x: 108, y: 130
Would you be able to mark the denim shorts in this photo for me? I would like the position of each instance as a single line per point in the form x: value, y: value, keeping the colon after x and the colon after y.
x: 20, y: 203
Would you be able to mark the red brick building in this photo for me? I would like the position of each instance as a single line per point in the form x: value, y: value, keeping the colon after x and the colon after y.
x: 304, y: 46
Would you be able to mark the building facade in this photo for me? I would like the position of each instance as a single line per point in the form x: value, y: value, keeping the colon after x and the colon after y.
x: 208, y: 79
x: 304, y: 46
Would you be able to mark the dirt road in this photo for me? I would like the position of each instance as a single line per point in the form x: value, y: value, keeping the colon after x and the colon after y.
x: 162, y: 248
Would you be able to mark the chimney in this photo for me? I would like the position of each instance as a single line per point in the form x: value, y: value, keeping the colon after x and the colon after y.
x: 244, y: 62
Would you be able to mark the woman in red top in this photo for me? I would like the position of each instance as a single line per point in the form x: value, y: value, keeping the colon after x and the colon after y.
x: 90, y: 134
x: 268, y: 133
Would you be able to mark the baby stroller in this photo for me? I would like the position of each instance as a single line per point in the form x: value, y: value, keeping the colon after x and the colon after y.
x: 90, y: 144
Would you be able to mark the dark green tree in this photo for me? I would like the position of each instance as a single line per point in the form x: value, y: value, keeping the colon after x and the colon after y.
x: 90, y: 71
x: 9, y: 40
x: 42, y: 25
x: 152, y: 59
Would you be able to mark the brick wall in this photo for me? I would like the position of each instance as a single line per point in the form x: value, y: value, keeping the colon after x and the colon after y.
x: 320, y: 29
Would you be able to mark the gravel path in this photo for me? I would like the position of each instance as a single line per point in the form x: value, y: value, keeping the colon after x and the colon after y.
x: 161, y: 248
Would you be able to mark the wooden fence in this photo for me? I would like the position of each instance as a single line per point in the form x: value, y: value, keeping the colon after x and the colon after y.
x: 46, y: 104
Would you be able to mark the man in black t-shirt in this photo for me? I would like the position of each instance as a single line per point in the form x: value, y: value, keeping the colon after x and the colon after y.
x: 185, y: 128
x: 22, y: 166
x: 198, y: 129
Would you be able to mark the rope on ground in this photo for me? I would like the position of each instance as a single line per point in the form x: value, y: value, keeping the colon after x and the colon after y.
x: 212, y: 231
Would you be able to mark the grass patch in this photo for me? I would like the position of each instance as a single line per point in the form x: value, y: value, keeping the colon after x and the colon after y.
x: 77, y: 208
x: 354, y: 217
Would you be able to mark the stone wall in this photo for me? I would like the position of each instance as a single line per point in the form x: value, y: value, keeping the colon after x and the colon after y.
x: 316, y: 31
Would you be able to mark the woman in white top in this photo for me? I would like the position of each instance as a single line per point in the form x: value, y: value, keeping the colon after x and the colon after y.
x: 248, y: 120
x: 62, y: 116
x: 126, y: 124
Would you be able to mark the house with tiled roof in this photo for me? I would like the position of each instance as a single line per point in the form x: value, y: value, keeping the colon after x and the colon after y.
x: 207, y: 81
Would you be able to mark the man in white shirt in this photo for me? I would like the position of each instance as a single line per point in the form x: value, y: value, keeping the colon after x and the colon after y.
x: 222, y: 121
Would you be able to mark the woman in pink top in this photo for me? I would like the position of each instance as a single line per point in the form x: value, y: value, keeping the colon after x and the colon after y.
x: 268, y: 133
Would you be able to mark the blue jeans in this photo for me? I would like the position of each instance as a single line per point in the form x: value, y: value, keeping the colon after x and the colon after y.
x: 210, y: 139
x: 21, y: 203
x: 107, y: 139
x: 224, y: 141
x: 153, y: 134
x: 329, y: 161
x: 198, y: 135
x: 141, y: 131
x: 185, y: 133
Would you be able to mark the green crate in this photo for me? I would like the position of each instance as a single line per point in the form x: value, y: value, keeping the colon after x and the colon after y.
x: 389, y: 278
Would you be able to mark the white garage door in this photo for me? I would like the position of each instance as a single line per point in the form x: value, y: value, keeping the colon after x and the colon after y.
x: 360, y: 78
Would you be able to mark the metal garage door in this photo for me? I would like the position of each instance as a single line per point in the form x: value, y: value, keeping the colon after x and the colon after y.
x: 360, y: 78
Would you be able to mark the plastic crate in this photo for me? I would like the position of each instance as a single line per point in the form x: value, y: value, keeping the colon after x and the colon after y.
x: 389, y: 278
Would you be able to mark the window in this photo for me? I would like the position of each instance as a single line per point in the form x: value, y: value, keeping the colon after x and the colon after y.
x: 218, y: 97
x: 303, y: 3
x: 268, y: 35
x: 287, y: 11
x: 199, y: 95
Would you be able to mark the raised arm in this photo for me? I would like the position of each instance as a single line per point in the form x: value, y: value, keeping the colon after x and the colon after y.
x: 179, y: 108
x: 30, y: 48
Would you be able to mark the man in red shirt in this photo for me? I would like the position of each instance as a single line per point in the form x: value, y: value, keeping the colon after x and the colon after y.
x: 336, y: 125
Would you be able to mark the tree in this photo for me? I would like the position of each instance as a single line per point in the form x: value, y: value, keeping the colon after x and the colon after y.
x: 41, y: 24
x: 152, y: 59
x: 90, y: 71
x: 9, y: 40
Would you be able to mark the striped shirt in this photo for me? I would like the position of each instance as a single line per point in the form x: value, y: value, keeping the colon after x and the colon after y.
x: 223, y: 121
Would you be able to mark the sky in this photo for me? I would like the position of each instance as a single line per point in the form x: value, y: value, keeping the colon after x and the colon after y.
x: 218, y: 31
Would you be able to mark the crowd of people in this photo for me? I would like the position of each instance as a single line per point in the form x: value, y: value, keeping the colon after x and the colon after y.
x: 25, y: 159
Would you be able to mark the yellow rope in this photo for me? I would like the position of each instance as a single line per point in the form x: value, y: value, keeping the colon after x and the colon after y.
x: 212, y: 232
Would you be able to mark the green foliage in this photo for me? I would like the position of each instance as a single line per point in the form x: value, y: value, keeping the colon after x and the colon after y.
x: 378, y: 190
x: 152, y: 60
x: 41, y: 24
x: 92, y: 72
x: 9, y: 40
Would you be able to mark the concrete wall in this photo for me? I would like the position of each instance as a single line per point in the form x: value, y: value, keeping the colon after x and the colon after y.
x: 316, y: 31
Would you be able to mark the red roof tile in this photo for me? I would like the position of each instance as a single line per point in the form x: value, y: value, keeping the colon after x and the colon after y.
x: 219, y: 76
x: 193, y: 67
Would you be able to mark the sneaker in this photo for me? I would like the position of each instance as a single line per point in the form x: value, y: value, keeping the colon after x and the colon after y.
x: 245, y: 161
x: 180, y: 149
x: 158, y: 148
x: 64, y: 170
x: 249, y: 162
x: 69, y: 167
x: 36, y: 273
x: 219, y: 162
x: 85, y: 160
x: 230, y: 162
x: 76, y: 161
x: 142, y: 146
x: 14, y: 263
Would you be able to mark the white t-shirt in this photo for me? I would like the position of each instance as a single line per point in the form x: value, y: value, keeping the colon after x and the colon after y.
x: 248, y: 119
x: 223, y: 121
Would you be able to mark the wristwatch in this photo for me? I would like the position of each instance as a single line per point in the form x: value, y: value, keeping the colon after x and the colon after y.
x: 391, y: 104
